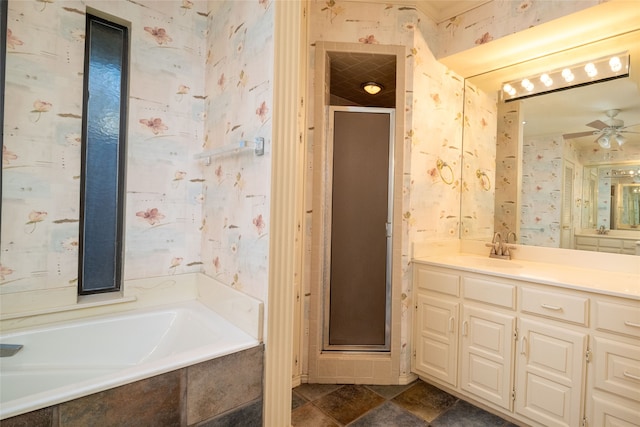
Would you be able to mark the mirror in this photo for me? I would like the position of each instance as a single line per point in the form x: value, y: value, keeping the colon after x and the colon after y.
x: 627, y: 207
x: 550, y: 183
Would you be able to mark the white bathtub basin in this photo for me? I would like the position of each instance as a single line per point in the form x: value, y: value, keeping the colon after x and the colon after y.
x: 67, y: 360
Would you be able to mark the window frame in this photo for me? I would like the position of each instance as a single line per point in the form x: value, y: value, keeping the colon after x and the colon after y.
x: 93, y: 16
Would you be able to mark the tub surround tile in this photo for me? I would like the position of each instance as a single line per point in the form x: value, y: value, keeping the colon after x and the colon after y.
x: 424, y: 400
x: 219, y: 385
x: 154, y: 401
x: 349, y: 402
x: 249, y: 415
x: 389, y: 415
x: 46, y: 417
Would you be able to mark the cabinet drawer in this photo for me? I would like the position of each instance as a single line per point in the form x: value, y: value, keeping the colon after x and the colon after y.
x: 444, y: 283
x: 588, y: 241
x: 610, y: 243
x: 617, y: 367
x: 618, y: 318
x: 570, y: 308
x: 490, y: 292
x: 629, y: 244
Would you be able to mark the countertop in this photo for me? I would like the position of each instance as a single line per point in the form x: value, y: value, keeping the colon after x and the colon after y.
x: 620, y: 284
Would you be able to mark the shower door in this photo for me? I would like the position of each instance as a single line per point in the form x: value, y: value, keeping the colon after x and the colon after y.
x: 357, y: 288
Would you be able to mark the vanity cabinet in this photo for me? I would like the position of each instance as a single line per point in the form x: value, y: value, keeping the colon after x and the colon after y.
x: 550, y: 372
x: 606, y: 244
x: 614, y: 371
x: 487, y: 340
x: 436, y: 332
x: 541, y: 354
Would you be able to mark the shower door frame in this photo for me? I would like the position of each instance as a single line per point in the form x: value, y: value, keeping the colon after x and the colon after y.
x: 327, y: 214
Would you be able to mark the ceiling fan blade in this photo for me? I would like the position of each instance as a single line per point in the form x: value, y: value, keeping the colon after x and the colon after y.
x: 630, y: 126
x: 577, y: 134
x: 627, y: 131
x: 598, y: 124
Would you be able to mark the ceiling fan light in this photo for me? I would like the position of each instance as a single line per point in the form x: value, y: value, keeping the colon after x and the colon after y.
x: 620, y: 139
x: 604, y: 141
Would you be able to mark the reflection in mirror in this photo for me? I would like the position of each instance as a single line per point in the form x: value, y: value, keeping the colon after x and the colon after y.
x: 563, y: 133
x: 550, y: 181
x: 627, y: 208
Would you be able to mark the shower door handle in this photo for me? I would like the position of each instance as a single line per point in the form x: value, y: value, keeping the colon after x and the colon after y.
x: 387, y: 226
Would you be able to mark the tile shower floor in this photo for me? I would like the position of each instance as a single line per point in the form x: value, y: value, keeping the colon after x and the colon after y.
x: 416, y: 404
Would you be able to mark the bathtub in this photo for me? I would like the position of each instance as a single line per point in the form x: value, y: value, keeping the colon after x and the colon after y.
x: 64, y: 361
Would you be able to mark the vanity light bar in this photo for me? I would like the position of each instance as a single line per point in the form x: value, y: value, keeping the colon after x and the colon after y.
x: 605, y: 68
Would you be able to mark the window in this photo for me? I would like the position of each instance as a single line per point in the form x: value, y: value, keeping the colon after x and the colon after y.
x: 3, y: 55
x: 103, y: 157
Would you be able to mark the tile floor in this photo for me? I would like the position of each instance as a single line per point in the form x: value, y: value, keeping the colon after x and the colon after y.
x: 416, y: 404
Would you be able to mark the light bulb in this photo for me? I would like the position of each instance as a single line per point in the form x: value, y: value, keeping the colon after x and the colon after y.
x: 546, y: 80
x: 567, y: 75
x: 591, y: 69
x: 615, y: 64
x: 527, y: 85
x: 509, y: 89
x: 604, y: 141
x: 621, y: 140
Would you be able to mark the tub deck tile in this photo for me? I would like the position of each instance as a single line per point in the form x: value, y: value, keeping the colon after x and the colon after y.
x: 155, y: 401
x: 220, y: 385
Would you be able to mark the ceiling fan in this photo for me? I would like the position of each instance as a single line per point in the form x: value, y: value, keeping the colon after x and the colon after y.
x: 606, y: 132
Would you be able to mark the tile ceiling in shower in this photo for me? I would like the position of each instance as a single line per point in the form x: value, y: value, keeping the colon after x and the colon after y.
x: 349, y: 70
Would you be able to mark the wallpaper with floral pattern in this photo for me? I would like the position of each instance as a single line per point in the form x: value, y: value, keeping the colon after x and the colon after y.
x: 543, y: 161
x: 181, y: 216
x: 500, y: 18
x: 239, y: 98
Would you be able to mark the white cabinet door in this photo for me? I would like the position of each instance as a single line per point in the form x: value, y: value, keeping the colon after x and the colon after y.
x: 610, y: 411
x: 487, y: 354
x: 436, y: 338
x: 549, y: 373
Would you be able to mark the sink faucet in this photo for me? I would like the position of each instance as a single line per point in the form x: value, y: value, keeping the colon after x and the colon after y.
x: 499, y: 248
x: 602, y: 230
x: 511, y: 233
x: 8, y: 350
